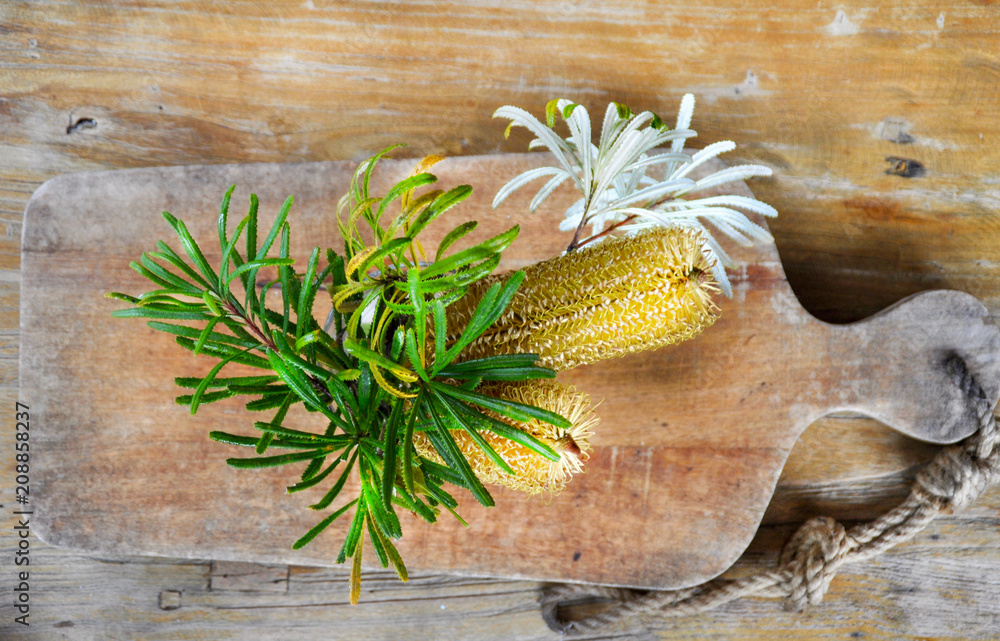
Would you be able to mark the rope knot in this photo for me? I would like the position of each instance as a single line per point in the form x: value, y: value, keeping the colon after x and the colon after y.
x: 955, y: 478
x: 811, y: 559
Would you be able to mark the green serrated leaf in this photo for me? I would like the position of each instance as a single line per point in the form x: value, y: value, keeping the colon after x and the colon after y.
x: 222, y: 351
x: 120, y: 296
x: 265, y: 441
x: 279, y: 225
x: 392, y: 426
x: 508, y: 432
x: 257, y: 264
x: 453, y: 236
x: 445, y: 444
x: 228, y: 254
x: 440, y: 332
x: 352, y: 542
x: 224, y: 215
x: 307, y: 294
x: 172, y: 257
x: 375, y: 536
x: 205, y: 333
x: 510, y: 409
x: 358, y: 350
x: 232, y: 439
x: 275, y: 461
x: 160, y: 314
x: 551, y: 109
x: 198, y: 391
x: 267, y: 402
x: 315, y: 479
x: 299, y: 384
x: 192, y: 382
x: 164, y: 277
x: 501, y: 367
x: 438, y: 206
x: 385, y: 518
x: 322, y: 525
x: 455, y: 414
x: 490, y: 307
x: 191, y: 247
x: 206, y: 398
x: 334, y: 491
x: 393, y: 555
x: 195, y: 333
x: 316, y: 439
x: 410, y: 183
x: 483, y: 250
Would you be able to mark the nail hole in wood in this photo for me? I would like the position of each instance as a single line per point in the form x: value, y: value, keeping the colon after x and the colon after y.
x: 905, y: 167
x: 170, y: 600
x: 81, y: 123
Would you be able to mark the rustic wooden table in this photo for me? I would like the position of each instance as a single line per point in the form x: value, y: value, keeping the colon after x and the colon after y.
x: 824, y: 95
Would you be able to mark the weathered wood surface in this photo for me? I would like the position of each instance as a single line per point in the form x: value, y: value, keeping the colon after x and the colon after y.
x: 692, y: 437
x: 823, y: 99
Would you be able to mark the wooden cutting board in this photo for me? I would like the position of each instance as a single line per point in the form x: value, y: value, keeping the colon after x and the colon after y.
x: 691, y: 443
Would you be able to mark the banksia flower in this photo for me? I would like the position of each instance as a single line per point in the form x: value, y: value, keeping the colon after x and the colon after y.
x: 533, y: 473
x: 627, y: 183
x: 624, y: 295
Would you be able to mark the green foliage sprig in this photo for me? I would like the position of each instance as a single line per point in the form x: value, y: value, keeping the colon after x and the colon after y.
x: 377, y: 372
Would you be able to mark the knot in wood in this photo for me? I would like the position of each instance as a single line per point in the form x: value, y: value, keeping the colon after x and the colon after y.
x: 964, y: 379
x: 811, y: 559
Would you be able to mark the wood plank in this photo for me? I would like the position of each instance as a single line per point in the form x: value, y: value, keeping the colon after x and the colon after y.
x: 900, y: 595
x: 693, y: 440
x: 192, y: 82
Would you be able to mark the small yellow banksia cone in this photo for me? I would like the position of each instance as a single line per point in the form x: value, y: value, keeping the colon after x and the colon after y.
x: 623, y: 295
x: 533, y: 473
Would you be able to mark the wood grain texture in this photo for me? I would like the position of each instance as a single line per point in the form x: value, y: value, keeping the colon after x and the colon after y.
x: 822, y: 100
x: 692, y: 437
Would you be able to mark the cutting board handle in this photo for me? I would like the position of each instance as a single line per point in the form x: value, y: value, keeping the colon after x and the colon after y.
x: 894, y: 366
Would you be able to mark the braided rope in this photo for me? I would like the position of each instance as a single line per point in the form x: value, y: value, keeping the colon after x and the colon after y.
x: 956, y: 477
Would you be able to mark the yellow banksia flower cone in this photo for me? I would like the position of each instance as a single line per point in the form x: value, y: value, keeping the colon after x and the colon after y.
x: 533, y: 473
x: 620, y: 296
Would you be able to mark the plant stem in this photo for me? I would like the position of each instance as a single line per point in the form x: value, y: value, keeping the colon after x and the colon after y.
x: 264, y: 339
x: 573, y: 244
x: 576, y: 237
x: 577, y: 245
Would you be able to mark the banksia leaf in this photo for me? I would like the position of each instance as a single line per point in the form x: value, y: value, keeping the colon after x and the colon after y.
x: 622, y: 185
x: 609, y: 299
x: 532, y: 472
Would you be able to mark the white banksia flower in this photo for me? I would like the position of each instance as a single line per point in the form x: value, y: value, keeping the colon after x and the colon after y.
x: 629, y: 181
